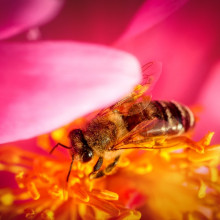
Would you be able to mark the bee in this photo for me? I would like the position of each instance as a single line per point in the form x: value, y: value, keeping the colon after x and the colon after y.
x: 135, y: 122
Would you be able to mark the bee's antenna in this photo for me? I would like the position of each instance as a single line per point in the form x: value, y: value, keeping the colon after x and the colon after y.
x: 59, y: 144
x: 67, y: 178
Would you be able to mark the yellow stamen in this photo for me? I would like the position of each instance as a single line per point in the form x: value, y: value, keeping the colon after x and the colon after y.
x: 20, y: 179
x: 202, y: 190
x: 22, y: 196
x: 56, y: 192
x: 211, y: 152
x: 80, y: 193
x: 58, y: 134
x: 47, y: 215
x: 130, y: 215
x: 29, y: 213
x: 75, y: 180
x: 104, y: 206
x: 105, y: 194
x: 44, y: 142
x: 32, y: 189
x: 165, y: 155
x: 214, y: 174
x: 7, y: 199
x: 124, y: 162
x: 144, y: 168
x: 207, y: 139
x: 158, y: 176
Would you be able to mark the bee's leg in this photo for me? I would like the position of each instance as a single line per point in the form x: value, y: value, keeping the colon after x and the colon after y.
x: 98, y: 164
x: 96, y: 167
x: 59, y: 144
x: 108, y: 169
x: 70, y: 169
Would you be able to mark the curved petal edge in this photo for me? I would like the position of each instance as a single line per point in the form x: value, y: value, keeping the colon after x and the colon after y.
x: 47, y: 85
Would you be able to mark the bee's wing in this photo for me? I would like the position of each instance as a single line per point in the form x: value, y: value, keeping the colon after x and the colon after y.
x: 137, y: 138
x: 146, y: 144
x: 134, y: 136
x: 150, y: 72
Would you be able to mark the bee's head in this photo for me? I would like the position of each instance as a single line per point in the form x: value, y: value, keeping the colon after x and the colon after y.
x: 81, y: 148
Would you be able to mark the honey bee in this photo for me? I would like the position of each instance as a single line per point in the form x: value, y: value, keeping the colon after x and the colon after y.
x: 131, y: 123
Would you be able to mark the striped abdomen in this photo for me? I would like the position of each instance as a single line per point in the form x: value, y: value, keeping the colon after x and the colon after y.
x: 172, y: 118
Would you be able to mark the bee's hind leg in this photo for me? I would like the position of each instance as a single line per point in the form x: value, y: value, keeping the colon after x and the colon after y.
x: 108, y: 169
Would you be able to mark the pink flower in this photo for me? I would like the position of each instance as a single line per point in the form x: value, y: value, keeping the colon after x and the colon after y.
x: 16, y: 16
x: 48, y: 84
x: 45, y: 85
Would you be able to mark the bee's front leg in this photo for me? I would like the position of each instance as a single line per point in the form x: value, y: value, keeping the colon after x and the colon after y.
x: 108, y: 169
x: 96, y: 168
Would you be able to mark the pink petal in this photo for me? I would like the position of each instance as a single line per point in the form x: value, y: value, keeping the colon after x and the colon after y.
x: 186, y: 43
x: 209, y: 100
x: 150, y: 13
x: 106, y: 21
x: 16, y: 16
x: 46, y: 85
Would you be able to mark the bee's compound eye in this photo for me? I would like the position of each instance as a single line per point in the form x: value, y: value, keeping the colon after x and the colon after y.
x: 87, y: 155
